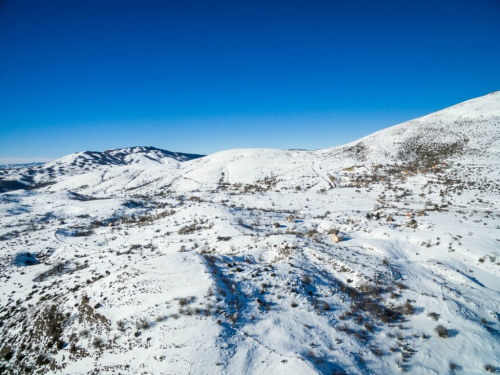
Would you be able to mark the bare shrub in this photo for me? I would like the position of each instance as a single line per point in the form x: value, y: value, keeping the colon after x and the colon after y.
x: 6, y: 353
x: 400, y: 285
x: 453, y: 366
x: 369, y: 327
x: 433, y: 316
x: 121, y: 325
x: 184, y: 301
x: 43, y: 359
x: 85, y: 332
x: 306, y: 279
x: 98, y: 342
x: 143, y: 323
x: 161, y: 318
x: 442, y: 331
x: 490, y: 368
x: 408, y: 308
x: 84, y: 233
x: 58, y: 269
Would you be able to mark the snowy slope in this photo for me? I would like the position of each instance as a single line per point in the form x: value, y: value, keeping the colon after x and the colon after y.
x: 89, y: 161
x: 139, y: 261
x: 468, y: 131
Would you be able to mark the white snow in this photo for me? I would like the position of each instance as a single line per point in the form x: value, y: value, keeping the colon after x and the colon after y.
x: 149, y: 262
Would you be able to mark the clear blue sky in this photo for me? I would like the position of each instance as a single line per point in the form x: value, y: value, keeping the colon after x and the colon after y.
x: 204, y: 76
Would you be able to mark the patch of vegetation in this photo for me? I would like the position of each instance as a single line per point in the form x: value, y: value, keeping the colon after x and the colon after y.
x: 433, y: 316
x: 58, y: 269
x: 491, y: 368
x: 442, y: 331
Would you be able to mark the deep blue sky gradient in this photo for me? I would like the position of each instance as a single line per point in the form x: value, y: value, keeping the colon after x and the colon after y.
x: 204, y: 76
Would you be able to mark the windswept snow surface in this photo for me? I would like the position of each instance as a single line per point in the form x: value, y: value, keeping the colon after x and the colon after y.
x: 134, y: 261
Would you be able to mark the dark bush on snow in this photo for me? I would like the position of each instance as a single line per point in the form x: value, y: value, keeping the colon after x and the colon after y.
x: 442, y: 331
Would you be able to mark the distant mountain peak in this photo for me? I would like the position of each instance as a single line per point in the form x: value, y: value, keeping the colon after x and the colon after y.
x: 125, y: 156
x: 84, y: 161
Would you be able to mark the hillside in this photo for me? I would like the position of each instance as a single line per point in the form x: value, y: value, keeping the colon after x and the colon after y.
x: 467, y: 132
x: 36, y: 176
x: 143, y: 261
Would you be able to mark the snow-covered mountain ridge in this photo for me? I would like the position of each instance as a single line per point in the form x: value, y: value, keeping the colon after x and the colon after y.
x: 35, y: 176
x: 469, y: 131
x: 466, y: 133
x: 124, y: 156
x: 378, y: 257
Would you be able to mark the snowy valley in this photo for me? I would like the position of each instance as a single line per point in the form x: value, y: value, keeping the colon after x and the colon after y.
x: 378, y: 257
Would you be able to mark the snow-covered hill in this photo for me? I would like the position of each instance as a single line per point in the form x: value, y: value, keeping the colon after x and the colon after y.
x: 469, y: 132
x: 123, y: 156
x: 35, y: 176
x: 142, y: 261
